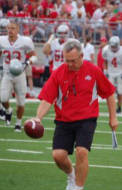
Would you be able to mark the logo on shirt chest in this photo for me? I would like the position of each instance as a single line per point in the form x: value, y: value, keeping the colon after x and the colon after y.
x: 88, y: 77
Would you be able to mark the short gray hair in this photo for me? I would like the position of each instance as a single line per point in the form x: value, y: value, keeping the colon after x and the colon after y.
x: 72, y: 44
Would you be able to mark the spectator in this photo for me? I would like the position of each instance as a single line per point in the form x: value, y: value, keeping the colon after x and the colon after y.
x: 1, y: 12
x: 91, y: 6
x: 79, y: 18
x: 58, y: 6
x: 13, y: 12
x: 67, y: 7
x: 88, y: 49
x: 7, y: 5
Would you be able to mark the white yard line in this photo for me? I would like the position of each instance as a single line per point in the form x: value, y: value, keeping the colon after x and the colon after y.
x: 24, y: 151
x: 52, y: 129
x: 104, y: 146
x: 119, y: 148
x: 49, y: 162
x: 25, y: 141
x: 100, y: 114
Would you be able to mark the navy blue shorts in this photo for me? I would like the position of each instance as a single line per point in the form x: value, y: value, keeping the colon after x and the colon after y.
x: 68, y: 135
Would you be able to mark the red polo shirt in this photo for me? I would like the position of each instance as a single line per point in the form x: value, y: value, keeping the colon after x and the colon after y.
x: 75, y: 93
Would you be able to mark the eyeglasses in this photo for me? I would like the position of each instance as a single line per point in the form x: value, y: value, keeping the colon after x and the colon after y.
x: 72, y: 60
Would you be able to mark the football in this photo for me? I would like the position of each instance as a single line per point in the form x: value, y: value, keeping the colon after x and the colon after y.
x: 16, y: 67
x: 33, y: 129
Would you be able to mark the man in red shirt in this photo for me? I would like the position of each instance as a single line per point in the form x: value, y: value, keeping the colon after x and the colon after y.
x: 91, y: 6
x: 74, y: 87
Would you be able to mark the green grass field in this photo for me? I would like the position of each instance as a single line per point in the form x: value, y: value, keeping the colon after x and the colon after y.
x: 27, y: 164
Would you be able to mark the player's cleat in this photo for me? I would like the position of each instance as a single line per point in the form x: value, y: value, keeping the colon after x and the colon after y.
x: 8, y: 118
x: 118, y: 110
x: 17, y: 128
x: 2, y: 114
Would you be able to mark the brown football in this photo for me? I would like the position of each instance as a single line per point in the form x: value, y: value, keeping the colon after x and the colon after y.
x: 33, y: 129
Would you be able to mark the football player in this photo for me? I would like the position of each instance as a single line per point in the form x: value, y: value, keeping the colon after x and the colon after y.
x: 2, y: 111
x: 112, y: 53
x: 15, y: 46
x: 54, y: 46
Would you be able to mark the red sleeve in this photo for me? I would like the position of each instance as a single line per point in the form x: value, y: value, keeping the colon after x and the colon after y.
x: 50, y: 90
x: 104, y: 87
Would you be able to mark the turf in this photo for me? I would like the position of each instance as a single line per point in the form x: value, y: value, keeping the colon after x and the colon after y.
x: 27, y: 164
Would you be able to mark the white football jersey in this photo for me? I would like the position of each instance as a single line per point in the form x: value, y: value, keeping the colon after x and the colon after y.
x: 18, y: 49
x: 114, y: 60
x: 57, y: 53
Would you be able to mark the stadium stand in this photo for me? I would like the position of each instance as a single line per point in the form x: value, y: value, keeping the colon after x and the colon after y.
x: 39, y: 20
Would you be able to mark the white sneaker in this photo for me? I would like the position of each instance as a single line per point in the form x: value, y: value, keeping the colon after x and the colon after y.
x: 2, y: 117
x: 71, y: 182
x: 78, y: 188
x: 17, y: 128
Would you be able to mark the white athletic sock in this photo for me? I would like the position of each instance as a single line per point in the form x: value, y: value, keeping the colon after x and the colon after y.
x: 72, y: 174
x: 18, y: 122
x: 79, y: 187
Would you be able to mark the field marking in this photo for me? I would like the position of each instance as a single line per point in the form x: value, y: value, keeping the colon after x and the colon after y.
x: 25, y: 141
x: 52, y: 129
x: 98, y: 148
x: 100, y: 114
x: 94, y: 146
x: 41, y: 141
x: 34, y: 100
x: 51, y: 116
x: 25, y: 151
x: 50, y: 162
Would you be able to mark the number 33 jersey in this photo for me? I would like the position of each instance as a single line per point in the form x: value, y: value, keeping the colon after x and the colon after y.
x: 17, y: 49
x: 114, y: 61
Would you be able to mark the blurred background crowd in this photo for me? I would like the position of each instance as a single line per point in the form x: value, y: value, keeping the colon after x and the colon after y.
x: 39, y: 18
x: 99, y: 19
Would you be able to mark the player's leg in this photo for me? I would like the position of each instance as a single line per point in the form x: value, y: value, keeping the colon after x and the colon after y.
x: 2, y: 110
x: 81, y: 167
x: 29, y: 76
x: 116, y: 83
x: 61, y: 149
x: 20, y: 90
x: 84, y: 138
x: 6, y: 90
x: 119, y: 96
x: 64, y: 163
